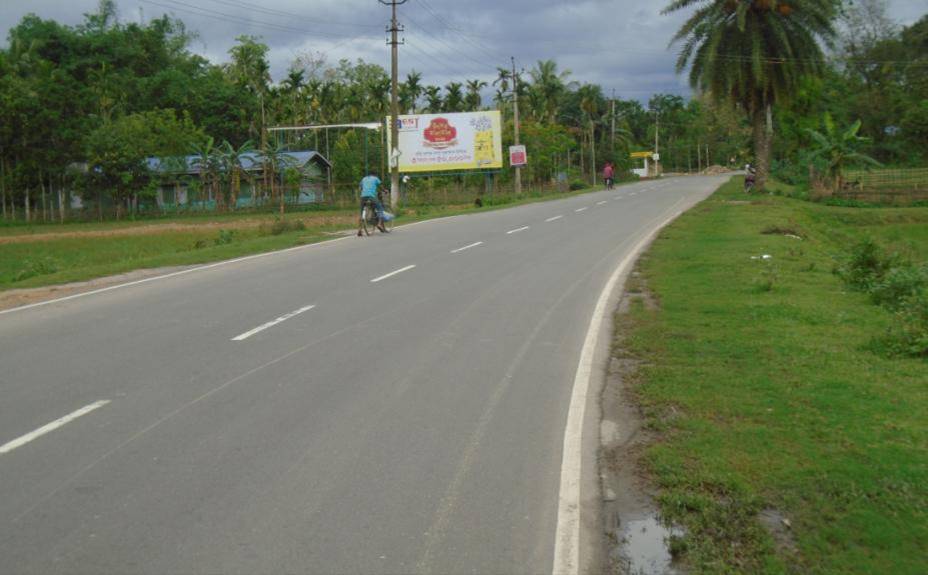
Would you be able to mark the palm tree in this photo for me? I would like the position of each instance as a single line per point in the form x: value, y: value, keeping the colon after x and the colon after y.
x: 590, y: 97
x: 292, y: 85
x: 206, y: 163
x: 410, y: 91
x: 454, y: 98
x: 550, y: 85
x: 503, y: 77
x: 472, y: 100
x: 276, y: 161
x: 500, y: 97
x: 231, y: 158
x: 754, y: 53
x: 433, y: 99
x: 838, y: 148
x: 379, y: 97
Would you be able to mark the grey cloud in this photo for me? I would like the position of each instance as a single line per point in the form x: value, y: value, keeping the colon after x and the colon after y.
x: 619, y: 44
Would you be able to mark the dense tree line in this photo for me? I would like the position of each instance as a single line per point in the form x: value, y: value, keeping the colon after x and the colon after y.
x: 82, y: 106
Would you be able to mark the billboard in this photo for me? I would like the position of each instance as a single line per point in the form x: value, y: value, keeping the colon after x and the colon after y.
x: 454, y: 141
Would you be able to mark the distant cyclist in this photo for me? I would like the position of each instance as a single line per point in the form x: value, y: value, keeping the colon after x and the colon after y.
x: 370, y: 193
x: 609, y: 175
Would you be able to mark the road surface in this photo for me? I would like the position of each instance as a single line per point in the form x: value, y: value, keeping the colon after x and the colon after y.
x: 393, y: 404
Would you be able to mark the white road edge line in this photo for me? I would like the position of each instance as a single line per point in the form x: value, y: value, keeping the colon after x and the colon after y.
x: 515, y: 231
x: 391, y: 274
x: 582, y: 209
x: 20, y: 441
x: 272, y: 323
x: 473, y: 245
x: 567, y: 532
x: 554, y: 218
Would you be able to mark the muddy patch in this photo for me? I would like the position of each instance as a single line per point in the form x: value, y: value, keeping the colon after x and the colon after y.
x: 638, y: 541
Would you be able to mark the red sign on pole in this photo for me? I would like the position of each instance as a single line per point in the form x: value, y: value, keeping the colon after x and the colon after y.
x: 517, y: 156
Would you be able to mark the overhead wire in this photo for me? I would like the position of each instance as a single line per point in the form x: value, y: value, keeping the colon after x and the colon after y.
x: 449, y: 47
x: 196, y: 10
x: 460, y: 32
x: 276, y: 12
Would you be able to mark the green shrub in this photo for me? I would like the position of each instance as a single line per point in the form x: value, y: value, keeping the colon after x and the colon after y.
x: 909, y: 334
x: 225, y: 237
x: 898, y: 285
x: 577, y: 185
x: 36, y: 267
x: 280, y: 226
x: 867, y: 265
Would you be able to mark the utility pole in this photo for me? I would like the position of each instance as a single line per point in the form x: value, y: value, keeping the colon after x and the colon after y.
x: 394, y: 42
x: 657, y: 142
x: 515, y: 122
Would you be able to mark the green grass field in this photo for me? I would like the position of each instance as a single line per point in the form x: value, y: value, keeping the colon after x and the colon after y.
x: 760, y: 382
x: 97, y: 249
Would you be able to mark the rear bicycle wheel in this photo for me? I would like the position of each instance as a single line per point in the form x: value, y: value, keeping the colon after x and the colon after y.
x: 368, y: 219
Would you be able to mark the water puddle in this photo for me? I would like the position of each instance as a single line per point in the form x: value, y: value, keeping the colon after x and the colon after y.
x: 644, y: 546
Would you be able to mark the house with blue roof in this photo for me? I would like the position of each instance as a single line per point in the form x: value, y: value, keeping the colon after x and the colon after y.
x: 301, y: 176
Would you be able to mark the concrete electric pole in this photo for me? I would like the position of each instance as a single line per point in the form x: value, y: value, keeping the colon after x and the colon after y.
x: 394, y: 42
x: 515, y: 122
x: 657, y: 142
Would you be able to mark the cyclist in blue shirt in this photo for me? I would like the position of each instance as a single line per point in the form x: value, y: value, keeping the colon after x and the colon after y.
x: 370, y: 192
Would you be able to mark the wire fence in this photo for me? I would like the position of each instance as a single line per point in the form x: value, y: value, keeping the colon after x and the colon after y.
x: 891, y: 179
x: 896, y: 187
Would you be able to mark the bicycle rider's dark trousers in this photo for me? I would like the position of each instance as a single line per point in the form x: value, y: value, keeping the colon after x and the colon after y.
x: 377, y: 205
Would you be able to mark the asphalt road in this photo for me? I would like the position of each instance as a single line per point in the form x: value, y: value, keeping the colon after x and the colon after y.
x: 409, y: 424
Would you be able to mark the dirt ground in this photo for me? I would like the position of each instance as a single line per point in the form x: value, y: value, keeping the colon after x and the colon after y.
x: 20, y: 297
x: 636, y: 539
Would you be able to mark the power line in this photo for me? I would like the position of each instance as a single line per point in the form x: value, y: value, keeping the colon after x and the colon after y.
x: 275, y: 12
x: 198, y: 11
x: 451, y: 48
x: 460, y: 32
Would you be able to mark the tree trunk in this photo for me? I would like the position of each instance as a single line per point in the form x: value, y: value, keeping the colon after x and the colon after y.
x: 42, y: 190
x: 593, y: 152
x: 3, y: 185
x: 762, y: 138
x: 582, y: 173
x: 236, y: 181
x: 28, y: 207
x: 280, y: 192
x: 61, y: 206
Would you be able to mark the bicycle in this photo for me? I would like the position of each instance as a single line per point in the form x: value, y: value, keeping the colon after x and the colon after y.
x: 373, y: 219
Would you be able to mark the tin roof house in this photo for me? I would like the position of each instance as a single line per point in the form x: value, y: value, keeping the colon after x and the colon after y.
x: 300, y: 175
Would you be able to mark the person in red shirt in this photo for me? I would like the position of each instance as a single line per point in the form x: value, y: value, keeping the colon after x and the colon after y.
x: 609, y: 175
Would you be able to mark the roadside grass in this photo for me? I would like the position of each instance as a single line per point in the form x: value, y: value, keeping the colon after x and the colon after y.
x: 110, y: 248
x: 758, y: 379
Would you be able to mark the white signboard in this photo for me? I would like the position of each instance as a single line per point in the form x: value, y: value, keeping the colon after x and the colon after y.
x: 458, y: 141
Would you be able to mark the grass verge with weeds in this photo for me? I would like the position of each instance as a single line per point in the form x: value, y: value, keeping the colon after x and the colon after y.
x: 767, y: 397
x: 52, y: 254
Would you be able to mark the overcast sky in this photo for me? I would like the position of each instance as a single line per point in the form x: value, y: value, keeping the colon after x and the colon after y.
x: 619, y: 44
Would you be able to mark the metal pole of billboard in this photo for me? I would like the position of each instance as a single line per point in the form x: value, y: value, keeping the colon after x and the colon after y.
x: 394, y: 29
x: 515, y: 122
